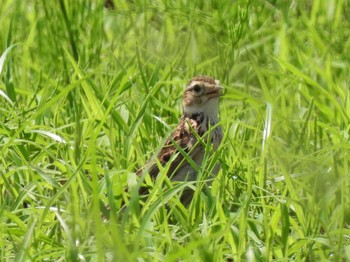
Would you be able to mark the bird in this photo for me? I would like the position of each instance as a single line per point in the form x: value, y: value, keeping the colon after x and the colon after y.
x: 198, y: 125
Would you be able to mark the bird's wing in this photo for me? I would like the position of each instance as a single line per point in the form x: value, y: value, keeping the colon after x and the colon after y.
x: 182, y: 141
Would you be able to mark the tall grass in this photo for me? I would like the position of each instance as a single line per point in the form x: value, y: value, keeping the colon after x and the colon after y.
x: 88, y: 94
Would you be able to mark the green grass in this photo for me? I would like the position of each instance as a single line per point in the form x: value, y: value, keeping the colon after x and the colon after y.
x: 88, y: 94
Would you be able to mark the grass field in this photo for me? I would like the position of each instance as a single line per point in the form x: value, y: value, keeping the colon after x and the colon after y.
x: 88, y: 94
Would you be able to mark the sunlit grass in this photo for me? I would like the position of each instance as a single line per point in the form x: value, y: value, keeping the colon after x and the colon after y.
x: 88, y: 95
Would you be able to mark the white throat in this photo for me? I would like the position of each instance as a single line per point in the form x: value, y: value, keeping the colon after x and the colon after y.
x: 209, y: 109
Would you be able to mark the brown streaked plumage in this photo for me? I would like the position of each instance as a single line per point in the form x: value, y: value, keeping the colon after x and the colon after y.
x: 200, y: 112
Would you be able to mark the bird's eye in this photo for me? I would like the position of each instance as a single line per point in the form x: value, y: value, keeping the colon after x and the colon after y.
x: 197, y: 88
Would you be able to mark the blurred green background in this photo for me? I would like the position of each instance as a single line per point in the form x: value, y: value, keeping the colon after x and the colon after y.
x: 89, y: 91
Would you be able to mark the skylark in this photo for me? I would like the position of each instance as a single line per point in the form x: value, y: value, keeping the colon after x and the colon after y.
x: 198, y: 126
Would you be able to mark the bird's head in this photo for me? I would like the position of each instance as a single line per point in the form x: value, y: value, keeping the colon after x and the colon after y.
x: 202, y: 96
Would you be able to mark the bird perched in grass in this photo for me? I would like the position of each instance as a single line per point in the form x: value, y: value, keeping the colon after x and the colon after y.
x: 198, y: 125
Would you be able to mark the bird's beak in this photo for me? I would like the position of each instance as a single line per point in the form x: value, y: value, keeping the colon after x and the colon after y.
x: 217, y: 91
